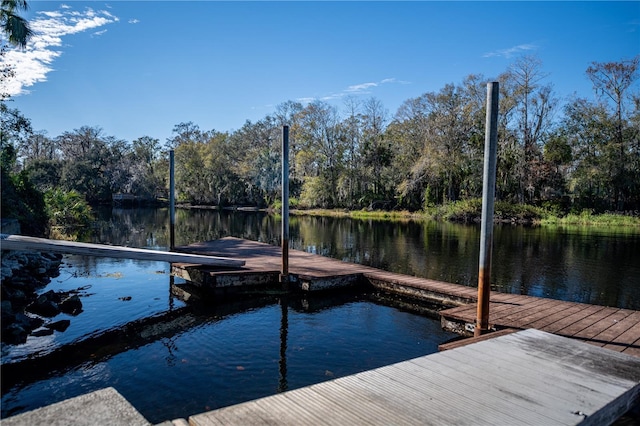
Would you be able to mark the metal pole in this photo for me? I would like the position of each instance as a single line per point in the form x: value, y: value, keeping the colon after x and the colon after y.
x: 172, y: 201
x: 488, y: 195
x: 284, y: 276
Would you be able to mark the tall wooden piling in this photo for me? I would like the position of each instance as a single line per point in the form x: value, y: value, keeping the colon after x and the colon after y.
x: 172, y: 201
x: 488, y: 196
x: 284, y: 273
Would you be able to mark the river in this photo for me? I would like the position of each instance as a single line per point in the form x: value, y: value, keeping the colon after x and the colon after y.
x: 581, y: 264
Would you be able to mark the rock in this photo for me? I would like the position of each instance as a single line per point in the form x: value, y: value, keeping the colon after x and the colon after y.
x: 5, y: 272
x: 60, y: 326
x: 23, y: 273
x: 71, y: 305
x: 27, y: 322
x: 14, y: 334
x: 6, y: 307
x: 17, y: 331
x: 42, y: 332
x: 44, y: 305
x: 19, y: 297
x: 52, y: 295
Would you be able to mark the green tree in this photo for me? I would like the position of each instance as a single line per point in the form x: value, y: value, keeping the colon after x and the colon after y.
x: 590, y: 130
x: 375, y: 154
x: 204, y: 167
x: 68, y: 211
x: 531, y: 106
x: 21, y: 200
x: 146, y: 163
x: 15, y: 27
x: 289, y: 114
x: 256, y: 151
x: 442, y: 128
x: 45, y: 174
x: 93, y: 164
x: 611, y: 82
x: 321, y: 158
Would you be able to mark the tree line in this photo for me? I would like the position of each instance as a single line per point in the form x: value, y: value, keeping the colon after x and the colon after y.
x: 583, y: 154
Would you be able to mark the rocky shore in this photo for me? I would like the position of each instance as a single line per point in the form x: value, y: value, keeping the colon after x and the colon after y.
x: 24, y: 311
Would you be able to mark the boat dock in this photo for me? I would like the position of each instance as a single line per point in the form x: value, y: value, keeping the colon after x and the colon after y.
x: 612, y: 328
x: 525, y: 378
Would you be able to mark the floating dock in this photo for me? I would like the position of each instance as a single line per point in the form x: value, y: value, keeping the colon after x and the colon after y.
x: 525, y: 378
x: 613, y: 328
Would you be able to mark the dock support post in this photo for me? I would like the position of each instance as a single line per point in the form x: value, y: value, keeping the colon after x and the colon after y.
x: 172, y: 202
x: 284, y: 274
x: 488, y: 196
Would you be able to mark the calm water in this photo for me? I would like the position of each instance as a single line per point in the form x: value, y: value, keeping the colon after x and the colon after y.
x: 223, y: 359
x: 598, y: 266
x: 229, y: 354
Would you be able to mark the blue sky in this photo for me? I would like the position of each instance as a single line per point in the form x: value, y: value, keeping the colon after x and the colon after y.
x: 139, y: 68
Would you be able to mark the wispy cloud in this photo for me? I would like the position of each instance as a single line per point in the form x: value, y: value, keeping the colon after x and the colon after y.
x: 32, y: 64
x: 633, y: 26
x: 354, y: 90
x: 134, y: 21
x: 511, y: 51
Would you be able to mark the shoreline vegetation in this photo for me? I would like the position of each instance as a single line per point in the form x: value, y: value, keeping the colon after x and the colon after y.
x: 470, y: 211
x: 467, y: 211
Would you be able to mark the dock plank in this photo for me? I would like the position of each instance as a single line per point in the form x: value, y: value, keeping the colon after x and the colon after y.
x: 599, y: 327
x: 564, y: 311
x: 529, y: 377
x: 563, y: 325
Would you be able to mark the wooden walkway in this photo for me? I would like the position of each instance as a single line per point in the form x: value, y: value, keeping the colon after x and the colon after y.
x: 612, y: 328
x: 525, y: 378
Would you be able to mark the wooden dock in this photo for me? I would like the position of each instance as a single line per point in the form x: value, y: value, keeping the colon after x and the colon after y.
x: 612, y: 328
x: 525, y: 378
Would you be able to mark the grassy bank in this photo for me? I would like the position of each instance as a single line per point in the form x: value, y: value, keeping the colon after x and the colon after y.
x: 587, y: 218
x: 470, y: 211
x: 362, y: 214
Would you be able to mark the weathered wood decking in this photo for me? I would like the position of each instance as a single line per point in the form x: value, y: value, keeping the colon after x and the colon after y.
x: 525, y: 378
x: 613, y: 328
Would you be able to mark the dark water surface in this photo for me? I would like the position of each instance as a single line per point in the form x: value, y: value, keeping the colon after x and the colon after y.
x: 222, y: 355
x: 591, y: 265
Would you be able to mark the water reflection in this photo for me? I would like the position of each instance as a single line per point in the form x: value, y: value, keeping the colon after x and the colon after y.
x: 284, y: 331
x: 589, y: 265
x: 222, y: 354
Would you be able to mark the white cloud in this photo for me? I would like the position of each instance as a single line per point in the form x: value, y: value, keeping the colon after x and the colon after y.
x: 511, y: 51
x: 32, y: 64
x: 359, y: 88
x: 134, y: 21
x: 355, y: 89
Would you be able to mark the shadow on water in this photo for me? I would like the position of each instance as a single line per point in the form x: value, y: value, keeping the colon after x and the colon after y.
x: 319, y: 337
x: 101, y: 345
